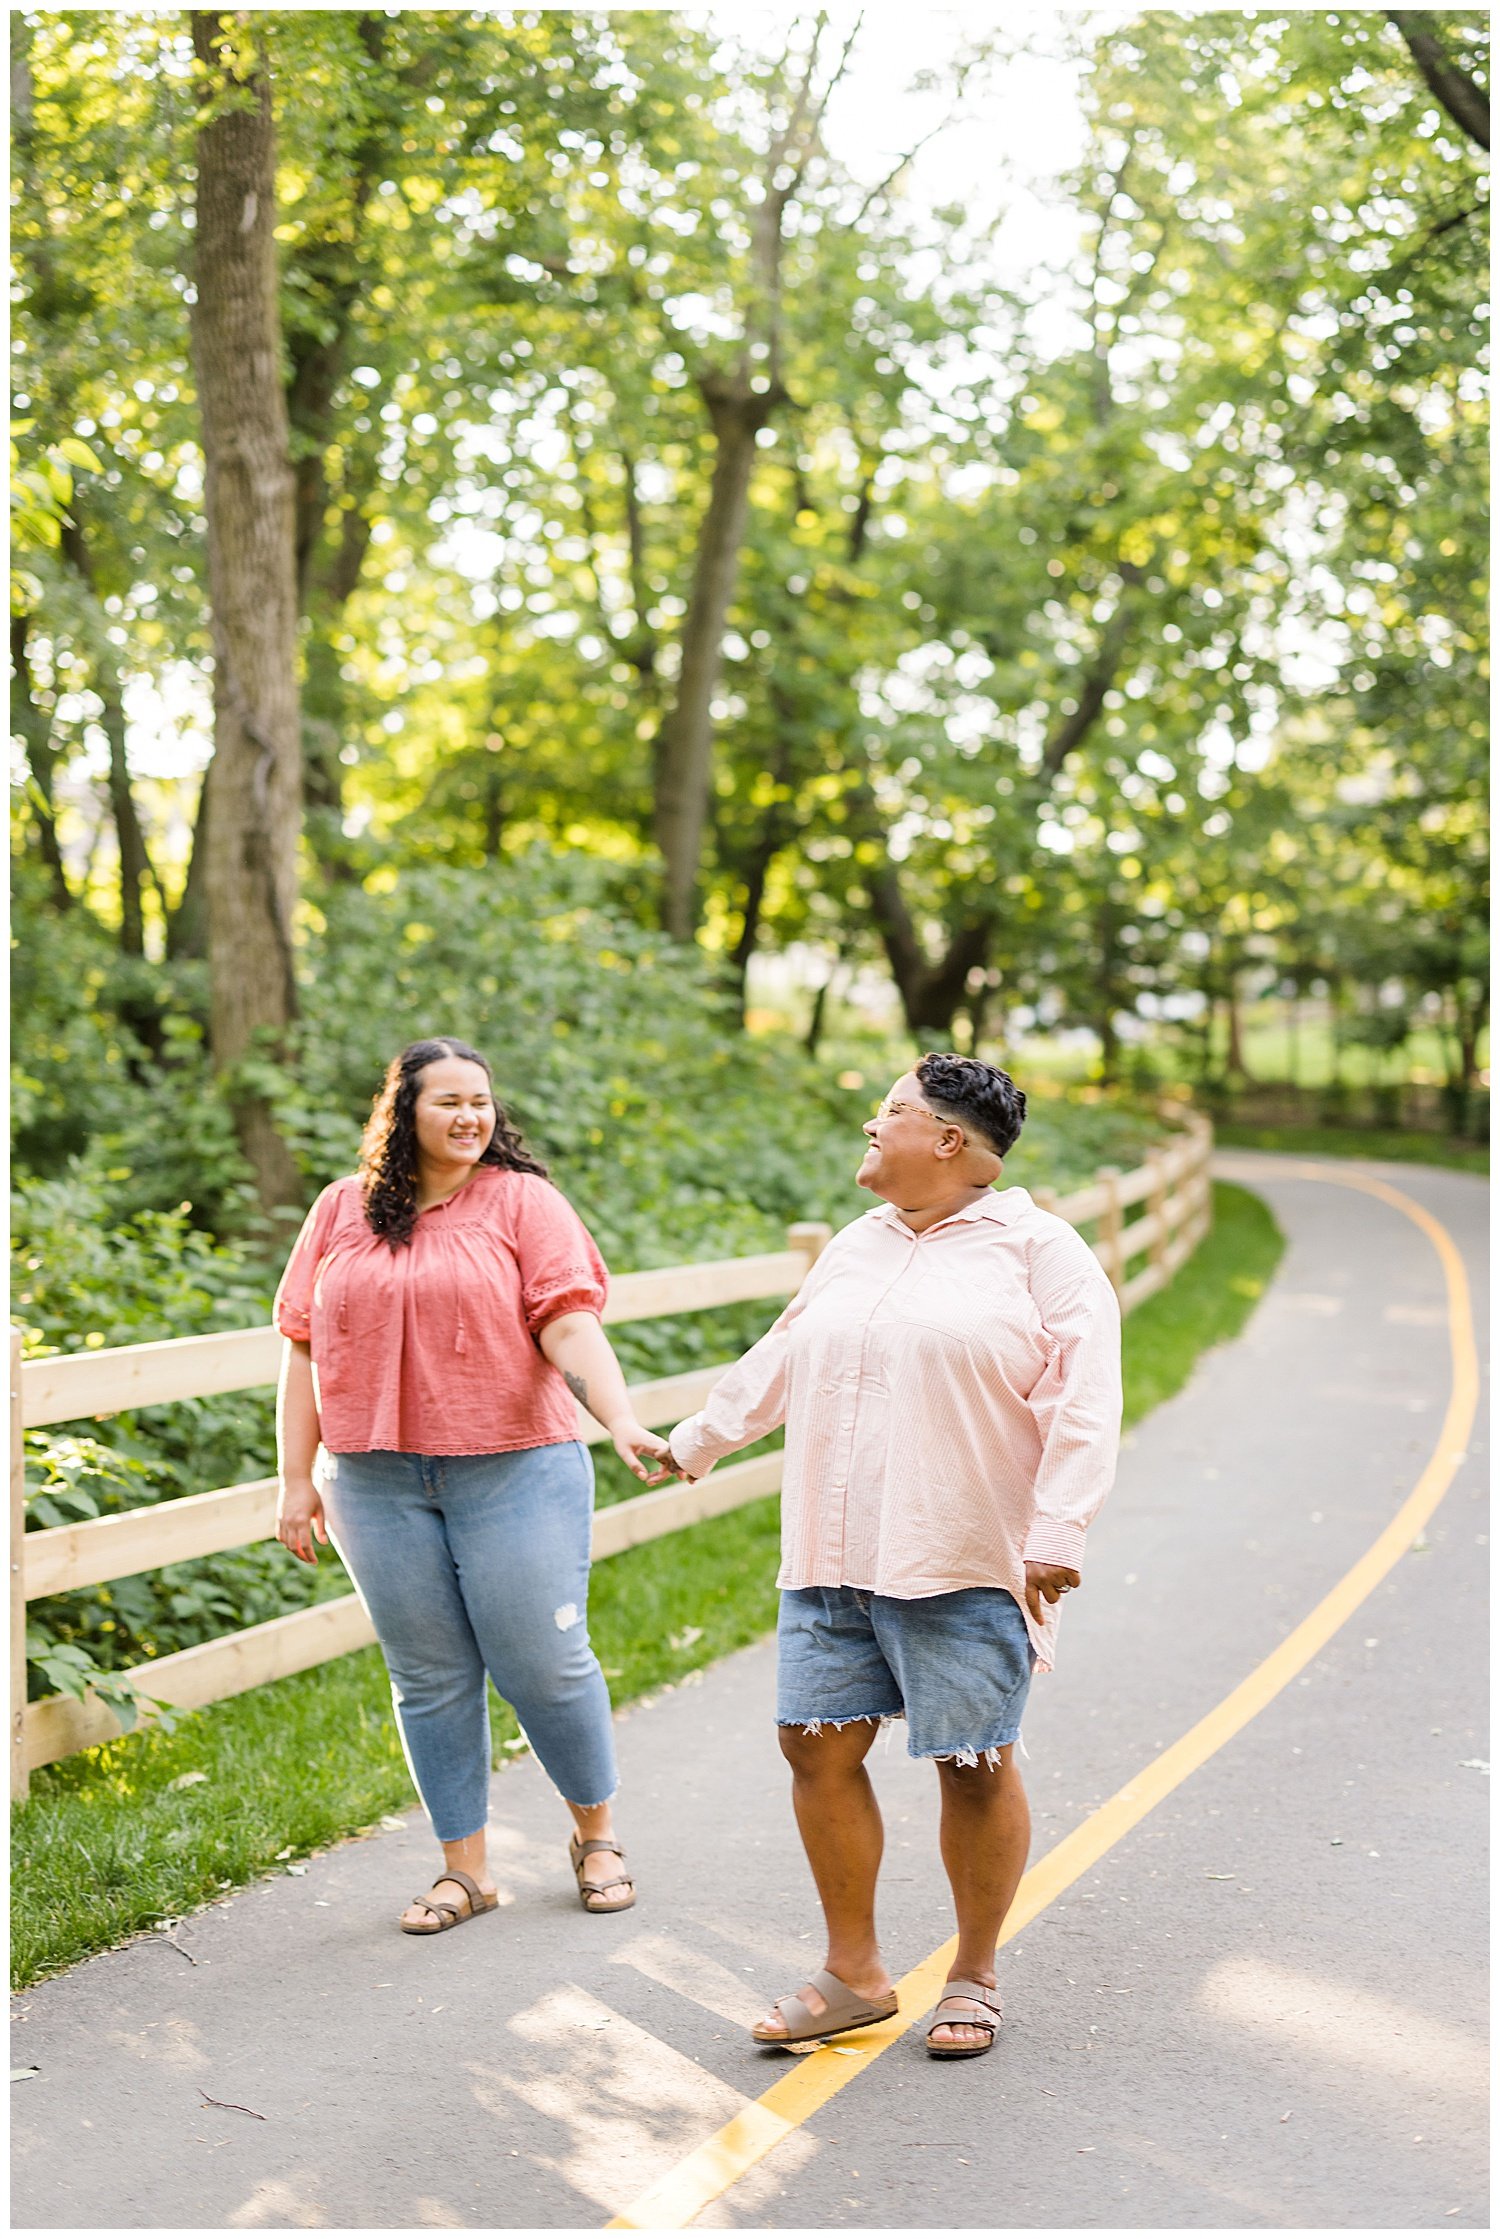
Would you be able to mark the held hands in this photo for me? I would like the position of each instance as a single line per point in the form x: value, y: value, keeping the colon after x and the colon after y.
x: 1044, y: 1582
x: 636, y: 1446
x: 299, y: 1519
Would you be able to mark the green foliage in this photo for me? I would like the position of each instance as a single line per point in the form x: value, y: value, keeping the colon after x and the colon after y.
x: 154, y: 1127
x: 85, y: 1279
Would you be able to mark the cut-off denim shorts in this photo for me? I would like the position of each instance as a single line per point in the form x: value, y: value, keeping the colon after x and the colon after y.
x: 475, y: 1563
x: 956, y: 1666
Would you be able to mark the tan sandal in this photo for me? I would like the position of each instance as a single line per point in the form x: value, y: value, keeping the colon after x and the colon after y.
x: 444, y: 1915
x: 845, y: 2009
x: 588, y: 1889
x: 959, y: 1992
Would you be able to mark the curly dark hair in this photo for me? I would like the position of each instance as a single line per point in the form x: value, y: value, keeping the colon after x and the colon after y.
x: 388, y: 1149
x: 977, y: 1095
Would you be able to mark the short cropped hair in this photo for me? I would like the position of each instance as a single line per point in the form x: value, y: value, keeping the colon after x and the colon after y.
x: 977, y: 1095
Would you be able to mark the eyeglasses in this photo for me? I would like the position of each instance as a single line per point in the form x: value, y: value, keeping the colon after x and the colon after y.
x: 894, y: 1104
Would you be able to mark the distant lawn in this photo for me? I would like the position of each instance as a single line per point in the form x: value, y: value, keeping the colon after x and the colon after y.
x: 1208, y: 1301
x: 118, y: 1839
x: 1402, y: 1144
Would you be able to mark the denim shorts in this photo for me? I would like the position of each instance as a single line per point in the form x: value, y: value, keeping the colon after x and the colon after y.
x: 956, y: 1666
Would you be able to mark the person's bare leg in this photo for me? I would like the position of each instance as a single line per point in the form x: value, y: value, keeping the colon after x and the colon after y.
x: 469, y: 1856
x: 839, y: 1821
x: 985, y: 1834
x: 595, y: 1823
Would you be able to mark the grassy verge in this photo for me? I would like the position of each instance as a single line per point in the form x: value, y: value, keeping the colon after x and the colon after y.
x: 149, y: 1828
x: 1208, y: 1300
x: 1400, y: 1143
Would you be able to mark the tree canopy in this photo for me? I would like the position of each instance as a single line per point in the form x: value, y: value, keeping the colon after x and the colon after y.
x: 1075, y: 643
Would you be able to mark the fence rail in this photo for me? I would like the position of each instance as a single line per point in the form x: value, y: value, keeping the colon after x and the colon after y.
x: 1172, y: 1183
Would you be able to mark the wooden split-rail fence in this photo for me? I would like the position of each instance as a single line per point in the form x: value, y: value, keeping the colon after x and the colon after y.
x: 1139, y: 1255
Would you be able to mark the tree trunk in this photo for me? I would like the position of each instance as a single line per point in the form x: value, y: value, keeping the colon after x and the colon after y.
x: 36, y: 735
x: 255, y: 776
x: 135, y: 863
x: 1466, y: 103
x: 814, y: 1033
x: 327, y: 593
x: 331, y: 273
x: 767, y: 847
x: 1109, y: 1044
x: 684, y: 767
x: 640, y: 647
x: 135, y: 860
x: 1234, y: 1057
x: 187, y: 927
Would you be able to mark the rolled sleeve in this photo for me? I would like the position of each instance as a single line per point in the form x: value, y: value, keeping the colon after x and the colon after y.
x: 562, y: 1270
x: 292, y: 1311
x: 1076, y: 1402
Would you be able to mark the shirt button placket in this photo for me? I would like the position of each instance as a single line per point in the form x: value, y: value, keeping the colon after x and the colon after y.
x: 838, y: 1536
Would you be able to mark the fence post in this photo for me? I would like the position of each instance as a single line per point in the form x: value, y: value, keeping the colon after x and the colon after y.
x: 1204, y: 1191
x: 810, y: 1237
x: 1109, y: 1227
x: 19, y: 1780
x: 1156, y: 1204
x: 1045, y: 1200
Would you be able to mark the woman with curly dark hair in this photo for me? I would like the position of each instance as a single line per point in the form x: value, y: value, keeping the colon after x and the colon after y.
x: 441, y: 1310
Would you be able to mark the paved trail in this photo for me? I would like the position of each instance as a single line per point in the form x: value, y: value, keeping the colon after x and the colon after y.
x: 1263, y: 2007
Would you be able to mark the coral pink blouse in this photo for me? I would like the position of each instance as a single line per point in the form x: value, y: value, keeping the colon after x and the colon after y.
x: 431, y: 1348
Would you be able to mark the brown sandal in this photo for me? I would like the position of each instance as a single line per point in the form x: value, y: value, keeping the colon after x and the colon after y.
x: 446, y: 1916
x: 589, y: 1889
x: 968, y: 1994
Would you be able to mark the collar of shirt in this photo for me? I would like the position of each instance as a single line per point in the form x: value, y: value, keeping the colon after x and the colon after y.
x: 1001, y: 1206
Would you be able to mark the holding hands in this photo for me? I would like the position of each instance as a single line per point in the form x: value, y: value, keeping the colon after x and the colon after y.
x: 637, y: 1447
x: 644, y: 1454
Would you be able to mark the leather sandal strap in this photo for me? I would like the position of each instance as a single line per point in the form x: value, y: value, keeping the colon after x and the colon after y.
x: 476, y: 1896
x: 800, y: 2020
x: 436, y: 1905
x: 973, y: 1994
x: 586, y: 1850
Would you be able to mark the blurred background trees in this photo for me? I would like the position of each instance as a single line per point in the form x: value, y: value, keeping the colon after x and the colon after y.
x: 1094, y: 652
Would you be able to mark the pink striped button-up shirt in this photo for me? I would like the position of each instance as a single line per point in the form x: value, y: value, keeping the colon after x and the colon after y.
x: 951, y: 1401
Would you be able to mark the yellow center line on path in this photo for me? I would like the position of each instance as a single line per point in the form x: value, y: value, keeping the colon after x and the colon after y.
x: 675, y: 2199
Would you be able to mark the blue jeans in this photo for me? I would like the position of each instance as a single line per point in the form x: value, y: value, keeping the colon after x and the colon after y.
x: 956, y: 1666
x: 476, y: 1563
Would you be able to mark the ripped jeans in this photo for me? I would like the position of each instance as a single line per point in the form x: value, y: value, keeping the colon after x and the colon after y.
x: 475, y: 1563
x: 957, y: 1667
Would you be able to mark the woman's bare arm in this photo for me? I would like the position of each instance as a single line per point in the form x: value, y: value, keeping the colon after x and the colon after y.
x: 299, y: 1506
x: 584, y: 1357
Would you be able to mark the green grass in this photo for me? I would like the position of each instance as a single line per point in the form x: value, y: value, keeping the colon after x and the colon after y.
x: 1208, y: 1301
x: 112, y: 1842
x: 1400, y: 1143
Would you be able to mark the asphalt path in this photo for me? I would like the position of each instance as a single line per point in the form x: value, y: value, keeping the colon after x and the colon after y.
x: 1265, y: 2006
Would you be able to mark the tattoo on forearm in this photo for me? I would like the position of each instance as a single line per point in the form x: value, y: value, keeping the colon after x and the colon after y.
x: 577, y: 1387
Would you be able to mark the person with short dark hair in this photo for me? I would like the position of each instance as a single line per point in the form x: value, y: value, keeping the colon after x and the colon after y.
x: 949, y: 1377
x: 441, y: 1311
